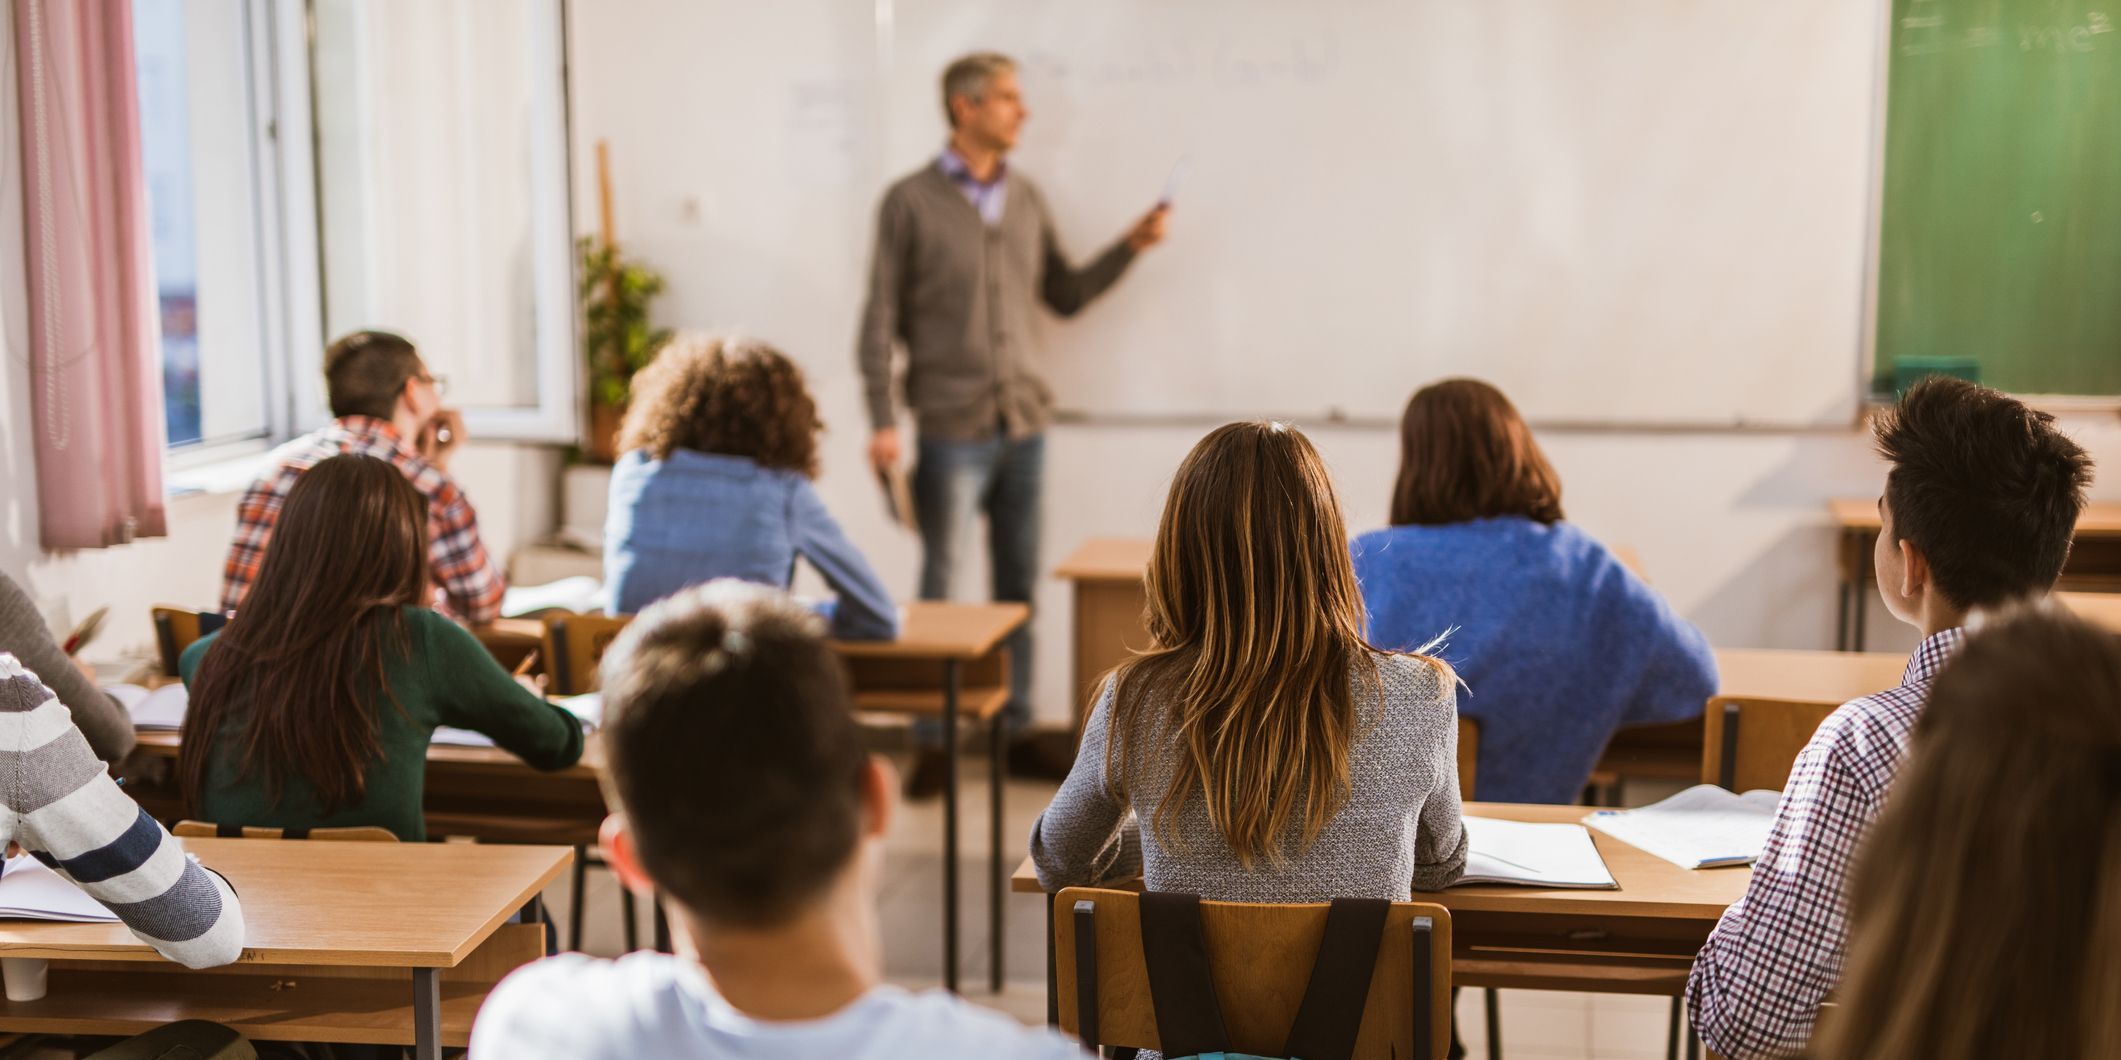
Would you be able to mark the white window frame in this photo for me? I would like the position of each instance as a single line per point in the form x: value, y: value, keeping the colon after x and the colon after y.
x: 283, y: 185
x: 556, y: 417
x: 282, y: 43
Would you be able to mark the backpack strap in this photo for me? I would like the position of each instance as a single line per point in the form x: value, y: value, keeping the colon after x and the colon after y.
x: 1189, y: 1019
x: 1330, y: 1015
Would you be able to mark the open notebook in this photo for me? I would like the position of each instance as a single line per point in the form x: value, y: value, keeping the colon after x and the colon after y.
x: 589, y: 707
x: 29, y: 891
x: 579, y: 594
x: 1535, y: 855
x: 1703, y: 827
x: 162, y: 710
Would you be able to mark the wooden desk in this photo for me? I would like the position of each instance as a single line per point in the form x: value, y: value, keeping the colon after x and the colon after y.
x: 947, y: 645
x: 2100, y: 609
x: 949, y: 661
x: 335, y: 935
x: 1809, y: 683
x: 2094, y: 559
x: 1639, y: 939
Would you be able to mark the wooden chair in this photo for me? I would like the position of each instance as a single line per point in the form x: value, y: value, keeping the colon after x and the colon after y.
x: 1260, y: 959
x: 574, y: 646
x: 178, y: 628
x: 366, y: 833
x: 1752, y: 743
x: 182, y: 1040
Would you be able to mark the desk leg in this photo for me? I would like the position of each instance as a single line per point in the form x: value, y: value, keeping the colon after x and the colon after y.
x: 1052, y: 969
x: 997, y: 876
x: 426, y: 1014
x: 1846, y: 617
x: 1862, y: 599
x: 950, y: 694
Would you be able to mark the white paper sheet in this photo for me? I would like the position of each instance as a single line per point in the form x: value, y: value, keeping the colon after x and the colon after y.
x: 29, y: 891
x: 1536, y: 855
x: 1701, y: 827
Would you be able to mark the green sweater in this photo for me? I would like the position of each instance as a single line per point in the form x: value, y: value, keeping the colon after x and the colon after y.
x: 448, y: 679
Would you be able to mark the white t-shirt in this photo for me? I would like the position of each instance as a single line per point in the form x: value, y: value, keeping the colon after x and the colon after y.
x: 654, y: 1004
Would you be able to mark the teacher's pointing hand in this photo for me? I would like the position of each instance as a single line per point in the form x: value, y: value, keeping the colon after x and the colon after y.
x: 1149, y: 231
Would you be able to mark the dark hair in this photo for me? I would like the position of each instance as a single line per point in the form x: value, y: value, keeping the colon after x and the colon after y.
x: 1259, y: 662
x: 722, y: 395
x: 365, y: 370
x: 1465, y: 454
x: 1999, y: 854
x: 1985, y: 487
x: 300, y: 668
x: 732, y: 749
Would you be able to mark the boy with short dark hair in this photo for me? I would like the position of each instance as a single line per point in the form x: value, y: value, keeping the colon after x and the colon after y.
x: 1979, y: 507
x: 742, y: 792
x: 386, y: 404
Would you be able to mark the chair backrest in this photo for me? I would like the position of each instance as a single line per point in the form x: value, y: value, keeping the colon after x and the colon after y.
x: 1468, y: 755
x: 1752, y: 743
x: 574, y: 645
x: 1260, y: 958
x: 364, y: 833
x: 177, y: 628
x: 2099, y: 609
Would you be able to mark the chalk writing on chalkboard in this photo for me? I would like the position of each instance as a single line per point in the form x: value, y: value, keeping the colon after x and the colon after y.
x: 1928, y: 34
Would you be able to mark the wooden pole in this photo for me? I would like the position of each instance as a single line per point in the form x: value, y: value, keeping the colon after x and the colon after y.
x: 608, y: 232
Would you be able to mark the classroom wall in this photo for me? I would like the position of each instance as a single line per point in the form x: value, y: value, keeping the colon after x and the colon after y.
x: 1730, y: 525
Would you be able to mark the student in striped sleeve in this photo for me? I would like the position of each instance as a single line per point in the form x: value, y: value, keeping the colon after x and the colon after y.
x: 59, y: 804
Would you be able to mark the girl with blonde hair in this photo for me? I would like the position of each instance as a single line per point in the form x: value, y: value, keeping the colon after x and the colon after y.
x: 1272, y: 754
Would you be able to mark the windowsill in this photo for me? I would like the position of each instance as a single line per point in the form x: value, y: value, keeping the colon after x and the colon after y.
x: 217, y: 474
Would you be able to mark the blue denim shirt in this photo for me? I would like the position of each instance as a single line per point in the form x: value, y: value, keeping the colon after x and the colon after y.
x: 699, y: 516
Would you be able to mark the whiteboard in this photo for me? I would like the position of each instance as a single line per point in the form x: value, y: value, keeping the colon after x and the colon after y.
x: 1633, y: 211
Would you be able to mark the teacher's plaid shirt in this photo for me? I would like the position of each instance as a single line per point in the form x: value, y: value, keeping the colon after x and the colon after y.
x: 467, y: 585
x: 1777, y: 952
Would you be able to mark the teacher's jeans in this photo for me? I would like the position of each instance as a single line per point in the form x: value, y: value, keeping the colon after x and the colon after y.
x: 1002, y: 479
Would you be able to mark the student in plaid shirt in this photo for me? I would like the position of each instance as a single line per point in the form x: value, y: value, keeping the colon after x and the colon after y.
x: 1979, y: 507
x: 387, y: 405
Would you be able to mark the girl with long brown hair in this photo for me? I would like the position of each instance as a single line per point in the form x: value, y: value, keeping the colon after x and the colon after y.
x: 719, y: 450
x: 1558, y: 641
x: 314, y: 705
x: 1272, y: 754
x: 1985, y: 906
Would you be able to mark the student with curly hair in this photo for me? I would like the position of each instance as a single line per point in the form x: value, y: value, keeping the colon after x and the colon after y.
x: 719, y: 450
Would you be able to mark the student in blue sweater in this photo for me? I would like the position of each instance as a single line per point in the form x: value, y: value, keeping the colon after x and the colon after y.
x: 719, y: 447
x: 1558, y: 643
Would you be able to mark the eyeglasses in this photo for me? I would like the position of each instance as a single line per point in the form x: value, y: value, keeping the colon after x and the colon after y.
x: 440, y: 383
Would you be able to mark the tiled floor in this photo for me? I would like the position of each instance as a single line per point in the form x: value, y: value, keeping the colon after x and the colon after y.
x: 1536, y: 1025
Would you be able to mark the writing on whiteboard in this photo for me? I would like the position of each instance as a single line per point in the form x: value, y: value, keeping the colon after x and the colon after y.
x: 1301, y: 59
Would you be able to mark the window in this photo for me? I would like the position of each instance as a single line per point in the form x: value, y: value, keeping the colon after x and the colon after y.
x: 441, y: 136
x: 428, y: 196
x: 197, y: 83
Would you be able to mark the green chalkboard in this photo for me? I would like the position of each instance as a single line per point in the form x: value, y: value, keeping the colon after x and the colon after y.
x: 2000, y: 239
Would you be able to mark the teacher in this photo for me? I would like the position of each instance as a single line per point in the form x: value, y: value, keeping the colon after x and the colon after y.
x: 965, y: 252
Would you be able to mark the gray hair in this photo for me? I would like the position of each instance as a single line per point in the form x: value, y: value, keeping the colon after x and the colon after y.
x: 970, y: 76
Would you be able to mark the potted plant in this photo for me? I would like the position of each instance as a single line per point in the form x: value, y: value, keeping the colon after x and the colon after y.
x: 617, y: 338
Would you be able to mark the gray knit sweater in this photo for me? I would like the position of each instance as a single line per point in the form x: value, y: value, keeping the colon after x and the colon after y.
x: 24, y: 635
x: 1399, y: 831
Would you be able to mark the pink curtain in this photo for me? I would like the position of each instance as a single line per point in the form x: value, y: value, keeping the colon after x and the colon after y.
x: 94, y: 344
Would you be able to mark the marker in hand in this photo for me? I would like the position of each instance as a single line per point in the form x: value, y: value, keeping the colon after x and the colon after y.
x: 1171, y: 183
